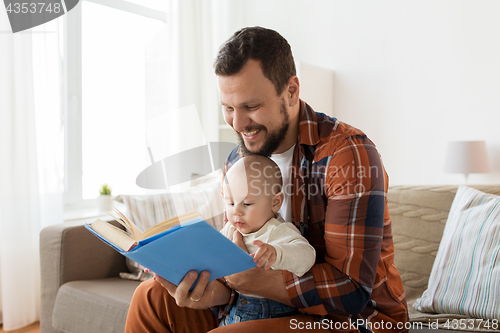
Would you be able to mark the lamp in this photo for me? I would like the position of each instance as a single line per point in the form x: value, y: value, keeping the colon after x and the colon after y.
x: 466, y: 157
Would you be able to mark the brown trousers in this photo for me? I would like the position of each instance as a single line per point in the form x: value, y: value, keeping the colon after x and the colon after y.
x: 153, y: 310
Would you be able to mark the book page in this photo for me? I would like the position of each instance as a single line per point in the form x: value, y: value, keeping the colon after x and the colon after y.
x: 114, y: 235
x: 129, y: 225
x: 167, y: 224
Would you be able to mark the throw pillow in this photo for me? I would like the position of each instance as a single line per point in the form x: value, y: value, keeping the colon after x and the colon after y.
x: 465, y: 277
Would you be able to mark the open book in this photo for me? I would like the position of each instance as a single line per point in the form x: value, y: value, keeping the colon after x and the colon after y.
x: 175, y: 246
x: 127, y: 241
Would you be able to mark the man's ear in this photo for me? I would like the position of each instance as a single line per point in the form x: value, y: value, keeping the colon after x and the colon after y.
x: 277, y: 201
x: 293, y: 90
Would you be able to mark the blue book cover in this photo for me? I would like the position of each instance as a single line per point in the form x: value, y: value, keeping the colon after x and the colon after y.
x: 193, y: 246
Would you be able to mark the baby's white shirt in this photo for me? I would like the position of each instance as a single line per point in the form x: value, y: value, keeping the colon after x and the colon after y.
x: 293, y: 252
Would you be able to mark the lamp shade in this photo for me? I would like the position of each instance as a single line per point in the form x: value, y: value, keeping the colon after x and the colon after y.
x: 466, y: 157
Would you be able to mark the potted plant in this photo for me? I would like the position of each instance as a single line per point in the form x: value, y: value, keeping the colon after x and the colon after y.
x: 105, y: 200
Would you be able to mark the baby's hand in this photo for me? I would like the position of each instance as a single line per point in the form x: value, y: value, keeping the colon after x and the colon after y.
x: 265, y: 253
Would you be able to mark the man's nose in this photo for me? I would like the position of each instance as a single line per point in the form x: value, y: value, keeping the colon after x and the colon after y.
x: 240, y: 120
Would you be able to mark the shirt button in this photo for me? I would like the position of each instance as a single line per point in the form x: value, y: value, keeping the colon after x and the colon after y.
x: 244, y: 301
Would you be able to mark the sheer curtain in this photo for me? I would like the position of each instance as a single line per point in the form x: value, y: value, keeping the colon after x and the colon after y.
x: 30, y: 164
x: 31, y: 133
x: 181, y: 94
x: 182, y: 105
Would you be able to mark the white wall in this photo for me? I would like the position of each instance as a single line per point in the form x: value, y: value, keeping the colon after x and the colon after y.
x: 411, y: 74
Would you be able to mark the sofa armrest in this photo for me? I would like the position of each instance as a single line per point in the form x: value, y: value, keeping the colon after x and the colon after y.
x: 69, y: 252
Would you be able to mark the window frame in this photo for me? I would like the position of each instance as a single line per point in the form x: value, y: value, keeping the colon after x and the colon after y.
x: 72, y: 92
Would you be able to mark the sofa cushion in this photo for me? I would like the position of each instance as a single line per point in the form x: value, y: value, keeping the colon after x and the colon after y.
x: 418, y: 215
x: 93, y: 305
x: 465, y: 276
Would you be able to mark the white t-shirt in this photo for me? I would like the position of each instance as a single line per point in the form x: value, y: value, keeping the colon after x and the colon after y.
x: 284, y: 161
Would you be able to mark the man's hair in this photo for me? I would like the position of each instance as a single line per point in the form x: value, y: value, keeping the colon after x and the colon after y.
x: 265, y: 45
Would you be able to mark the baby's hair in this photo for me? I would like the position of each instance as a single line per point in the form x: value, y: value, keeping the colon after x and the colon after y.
x: 264, y: 166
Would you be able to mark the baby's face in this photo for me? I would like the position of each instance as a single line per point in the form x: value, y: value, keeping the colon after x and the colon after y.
x: 248, y: 205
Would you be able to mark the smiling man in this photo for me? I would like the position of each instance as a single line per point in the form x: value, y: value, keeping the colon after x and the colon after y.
x: 266, y: 122
x: 335, y: 193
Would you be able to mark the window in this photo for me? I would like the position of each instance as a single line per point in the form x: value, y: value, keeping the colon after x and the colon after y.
x: 105, y: 94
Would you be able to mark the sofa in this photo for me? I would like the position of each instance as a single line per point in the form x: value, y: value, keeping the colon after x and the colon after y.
x: 82, y: 291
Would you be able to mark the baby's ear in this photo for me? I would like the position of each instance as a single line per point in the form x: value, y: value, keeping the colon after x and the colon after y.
x: 278, y: 201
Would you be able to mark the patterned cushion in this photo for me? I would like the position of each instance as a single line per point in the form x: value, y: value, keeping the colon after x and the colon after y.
x: 147, y: 210
x: 465, y: 277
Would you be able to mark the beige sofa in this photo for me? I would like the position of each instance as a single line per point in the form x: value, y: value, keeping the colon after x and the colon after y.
x: 81, y: 291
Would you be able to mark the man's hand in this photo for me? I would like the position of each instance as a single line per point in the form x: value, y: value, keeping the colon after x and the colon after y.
x: 265, y: 253
x: 204, y: 295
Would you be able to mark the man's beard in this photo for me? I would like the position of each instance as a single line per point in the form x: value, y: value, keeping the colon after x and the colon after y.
x: 273, y: 140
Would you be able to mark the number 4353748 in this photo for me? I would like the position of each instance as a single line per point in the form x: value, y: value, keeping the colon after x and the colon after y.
x: 471, y: 324
x: 32, y: 8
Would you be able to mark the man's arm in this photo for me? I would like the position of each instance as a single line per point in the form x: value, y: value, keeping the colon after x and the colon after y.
x: 353, y: 233
x: 258, y: 281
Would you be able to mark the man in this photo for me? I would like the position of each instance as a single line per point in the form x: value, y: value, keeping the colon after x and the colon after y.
x: 337, y: 199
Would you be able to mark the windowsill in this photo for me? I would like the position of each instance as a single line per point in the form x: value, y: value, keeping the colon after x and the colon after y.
x: 88, y: 211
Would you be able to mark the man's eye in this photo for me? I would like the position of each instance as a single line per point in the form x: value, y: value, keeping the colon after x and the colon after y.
x: 228, y: 108
x: 252, y: 107
x: 247, y: 204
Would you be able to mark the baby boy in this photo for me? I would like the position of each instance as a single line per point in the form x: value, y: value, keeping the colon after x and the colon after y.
x: 253, y: 197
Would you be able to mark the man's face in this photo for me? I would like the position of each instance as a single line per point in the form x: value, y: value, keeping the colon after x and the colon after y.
x: 254, y: 110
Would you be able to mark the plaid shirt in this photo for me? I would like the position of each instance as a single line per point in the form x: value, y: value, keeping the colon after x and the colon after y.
x: 339, y: 204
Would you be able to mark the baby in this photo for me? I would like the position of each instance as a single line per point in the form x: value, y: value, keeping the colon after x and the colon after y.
x: 253, y: 197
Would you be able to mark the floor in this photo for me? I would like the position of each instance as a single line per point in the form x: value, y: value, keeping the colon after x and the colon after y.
x: 35, y: 328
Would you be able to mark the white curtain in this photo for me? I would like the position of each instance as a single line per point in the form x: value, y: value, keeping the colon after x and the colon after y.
x: 181, y: 95
x: 30, y: 164
x: 180, y: 76
x: 31, y: 134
